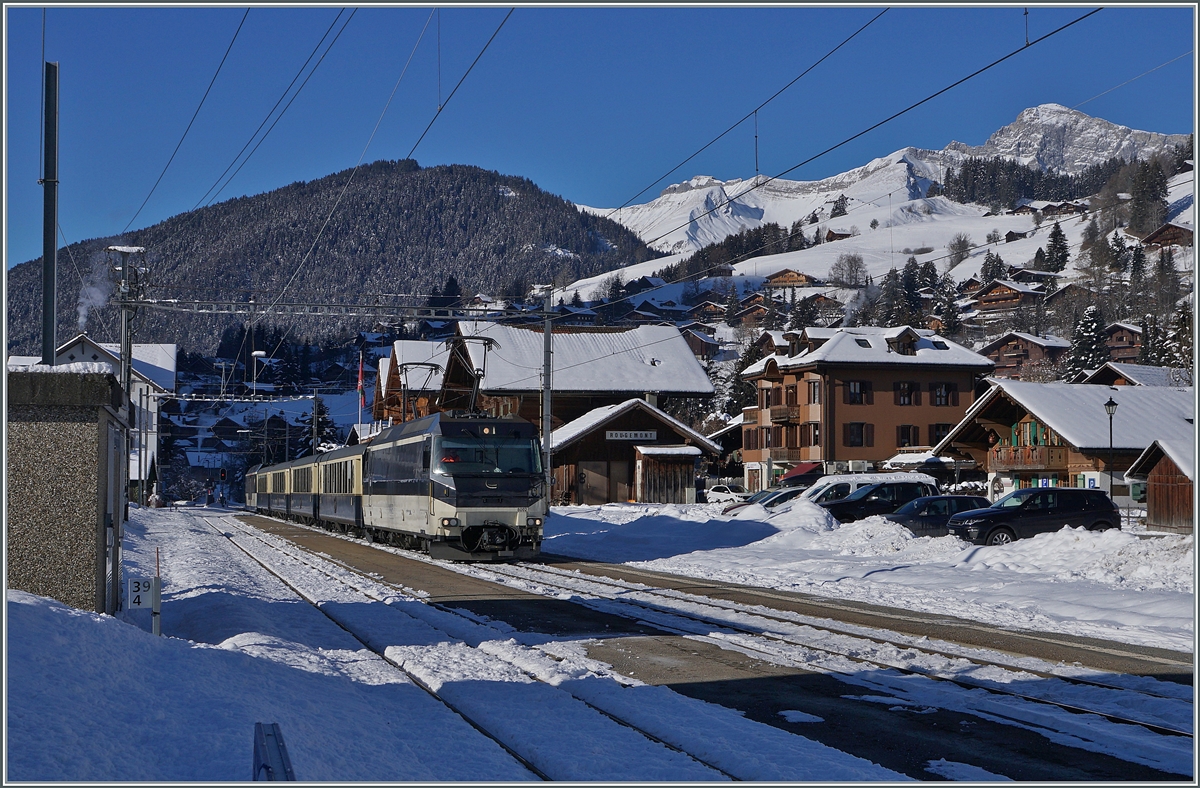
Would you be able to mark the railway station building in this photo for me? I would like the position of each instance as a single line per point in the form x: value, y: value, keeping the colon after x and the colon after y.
x: 628, y: 452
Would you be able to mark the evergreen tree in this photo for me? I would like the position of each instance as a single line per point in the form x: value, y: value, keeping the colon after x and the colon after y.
x: 1090, y: 233
x: 993, y: 267
x: 929, y: 274
x: 1088, y: 350
x: 804, y: 314
x: 576, y: 300
x: 948, y: 309
x: 732, y: 305
x: 839, y: 206
x: 1148, y: 206
x: 1166, y: 283
x: 743, y: 393
x: 914, y: 305
x: 1146, y: 352
x: 1137, y: 271
x: 1178, y: 345
x: 1039, y: 260
x: 892, y: 307
x: 327, y: 432
x: 287, y: 374
x: 1058, y: 252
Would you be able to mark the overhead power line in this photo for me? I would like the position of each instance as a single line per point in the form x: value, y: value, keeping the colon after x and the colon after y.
x: 1139, y: 76
x: 871, y: 128
x: 750, y: 114
x: 190, y: 122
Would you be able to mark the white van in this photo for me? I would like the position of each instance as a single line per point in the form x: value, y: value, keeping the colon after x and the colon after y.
x: 837, y: 486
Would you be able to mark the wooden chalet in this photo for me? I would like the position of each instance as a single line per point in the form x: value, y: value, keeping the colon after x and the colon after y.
x: 1167, y: 468
x: 787, y: 279
x: 1124, y: 341
x: 592, y: 367
x: 703, y: 346
x: 409, y: 381
x: 836, y: 235
x: 707, y: 310
x: 1006, y: 294
x: 1057, y: 435
x: 1013, y: 235
x: 1170, y: 234
x: 1015, y: 349
x: 1117, y: 374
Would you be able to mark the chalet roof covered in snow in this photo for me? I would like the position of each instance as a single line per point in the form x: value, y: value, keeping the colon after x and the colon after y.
x: 155, y: 361
x: 646, y: 358
x: 1142, y: 375
x: 1144, y: 413
x: 1181, y: 451
x: 1049, y: 340
x: 410, y: 351
x: 869, y: 345
x: 594, y: 419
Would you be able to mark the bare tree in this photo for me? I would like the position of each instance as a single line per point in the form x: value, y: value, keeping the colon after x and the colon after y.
x: 849, y: 270
x: 959, y: 248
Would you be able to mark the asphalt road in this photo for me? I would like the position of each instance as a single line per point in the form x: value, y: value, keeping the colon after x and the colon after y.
x: 905, y: 739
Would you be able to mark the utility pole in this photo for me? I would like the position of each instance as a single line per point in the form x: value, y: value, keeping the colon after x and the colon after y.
x: 316, y: 399
x: 547, y: 354
x: 50, y: 218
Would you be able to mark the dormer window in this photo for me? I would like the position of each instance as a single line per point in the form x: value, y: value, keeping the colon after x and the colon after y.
x: 940, y: 345
x: 863, y: 342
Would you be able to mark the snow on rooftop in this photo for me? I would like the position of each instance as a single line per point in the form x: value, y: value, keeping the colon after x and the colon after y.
x: 154, y: 360
x: 643, y: 359
x: 1143, y: 375
x: 866, y: 345
x: 669, y: 451
x: 19, y: 364
x: 1181, y: 451
x: 573, y: 430
x: 1076, y: 412
x: 408, y: 351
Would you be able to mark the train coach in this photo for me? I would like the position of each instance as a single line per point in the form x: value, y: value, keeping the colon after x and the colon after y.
x: 460, y: 487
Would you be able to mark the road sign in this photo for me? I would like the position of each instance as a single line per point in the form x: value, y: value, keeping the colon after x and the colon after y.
x: 141, y: 593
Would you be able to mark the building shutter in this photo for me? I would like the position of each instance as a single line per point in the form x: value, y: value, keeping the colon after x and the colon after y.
x: 916, y: 435
x: 868, y: 394
x: 846, y: 434
x: 899, y: 435
x: 868, y: 434
x: 845, y: 392
x: 916, y: 392
x: 932, y: 431
x: 896, y: 393
x: 954, y: 394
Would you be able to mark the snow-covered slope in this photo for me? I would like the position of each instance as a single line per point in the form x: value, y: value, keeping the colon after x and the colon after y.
x: 1050, y: 136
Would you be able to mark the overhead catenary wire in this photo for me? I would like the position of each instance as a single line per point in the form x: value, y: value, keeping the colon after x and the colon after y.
x: 753, y: 113
x: 442, y: 106
x: 1139, y: 76
x: 190, y: 122
x: 871, y: 128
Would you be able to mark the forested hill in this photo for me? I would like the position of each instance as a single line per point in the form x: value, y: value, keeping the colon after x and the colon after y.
x: 399, y: 228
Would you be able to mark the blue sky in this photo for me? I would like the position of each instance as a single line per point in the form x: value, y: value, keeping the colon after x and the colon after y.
x: 592, y: 104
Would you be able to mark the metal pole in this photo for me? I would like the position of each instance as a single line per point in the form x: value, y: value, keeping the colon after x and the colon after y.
x: 50, y: 218
x: 1110, y: 456
x: 547, y: 352
x: 314, y: 446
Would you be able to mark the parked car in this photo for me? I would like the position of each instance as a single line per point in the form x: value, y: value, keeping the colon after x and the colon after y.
x: 758, y: 497
x: 1035, y: 510
x: 881, y: 498
x: 726, y: 493
x: 837, y: 486
x: 928, y: 516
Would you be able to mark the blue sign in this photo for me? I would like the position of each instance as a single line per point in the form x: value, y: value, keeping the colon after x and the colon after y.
x: 1091, y: 484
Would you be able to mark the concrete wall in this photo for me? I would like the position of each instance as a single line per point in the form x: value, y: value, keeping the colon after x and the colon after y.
x: 58, y: 483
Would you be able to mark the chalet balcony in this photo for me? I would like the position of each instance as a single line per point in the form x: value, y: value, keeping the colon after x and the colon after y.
x: 786, y: 454
x: 1028, y: 458
x: 782, y: 414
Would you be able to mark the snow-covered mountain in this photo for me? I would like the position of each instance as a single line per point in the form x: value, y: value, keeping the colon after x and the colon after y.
x: 1066, y: 140
x: 1050, y: 136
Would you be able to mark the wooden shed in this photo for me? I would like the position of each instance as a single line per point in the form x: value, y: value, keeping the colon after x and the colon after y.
x: 612, y: 454
x: 1167, y: 468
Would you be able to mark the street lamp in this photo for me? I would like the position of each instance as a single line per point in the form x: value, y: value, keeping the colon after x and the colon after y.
x: 256, y: 355
x: 1110, y: 408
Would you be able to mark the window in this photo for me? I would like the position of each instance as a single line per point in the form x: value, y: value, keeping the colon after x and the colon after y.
x: 750, y: 439
x: 944, y: 393
x: 938, y: 433
x: 858, y: 392
x: 815, y: 433
x: 908, y: 435
x: 814, y: 392
x: 863, y: 342
x: 937, y: 508
x: 906, y: 393
x: 791, y: 395
x: 857, y: 433
x: 940, y: 345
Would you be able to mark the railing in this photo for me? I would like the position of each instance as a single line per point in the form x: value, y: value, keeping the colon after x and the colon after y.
x: 784, y: 413
x: 786, y: 454
x: 1007, y: 458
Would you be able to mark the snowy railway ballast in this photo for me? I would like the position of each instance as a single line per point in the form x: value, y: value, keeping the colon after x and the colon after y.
x: 461, y: 487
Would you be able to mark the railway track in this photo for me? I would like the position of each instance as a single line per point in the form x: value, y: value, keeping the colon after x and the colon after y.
x: 276, y: 556
x: 1170, y: 715
x: 1147, y: 723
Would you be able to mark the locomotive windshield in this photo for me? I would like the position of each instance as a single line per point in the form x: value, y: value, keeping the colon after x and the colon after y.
x: 466, y: 454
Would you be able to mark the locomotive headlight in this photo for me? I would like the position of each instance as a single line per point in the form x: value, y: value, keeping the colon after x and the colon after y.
x: 449, y: 522
x: 535, y: 522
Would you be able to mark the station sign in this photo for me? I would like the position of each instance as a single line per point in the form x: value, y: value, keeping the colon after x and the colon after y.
x: 631, y: 435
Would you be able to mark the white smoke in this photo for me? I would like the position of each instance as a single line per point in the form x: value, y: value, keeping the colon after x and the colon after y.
x: 95, y: 290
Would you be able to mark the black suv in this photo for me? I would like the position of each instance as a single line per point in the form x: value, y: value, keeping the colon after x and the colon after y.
x: 1035, y: 510
x: 881, y: 498
x: 928, y: 516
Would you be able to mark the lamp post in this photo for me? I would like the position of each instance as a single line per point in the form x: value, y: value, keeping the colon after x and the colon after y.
x: 256, y: 356
x: 1110, y: 408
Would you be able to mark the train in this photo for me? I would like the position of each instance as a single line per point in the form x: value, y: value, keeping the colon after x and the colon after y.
x: 458, y: 486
